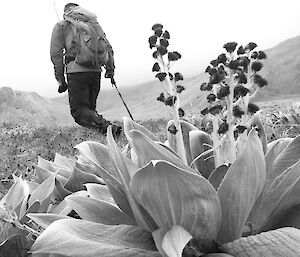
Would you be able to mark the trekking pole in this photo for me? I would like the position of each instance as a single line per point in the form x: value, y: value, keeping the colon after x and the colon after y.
x: 56, y: 11
x: 113, y: 82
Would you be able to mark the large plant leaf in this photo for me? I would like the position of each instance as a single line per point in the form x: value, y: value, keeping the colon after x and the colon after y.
x: 279, y: 199
x: 241, y: 187
x: 98, y: 211
x: 142, y: 218
x: 85, y: 165
x: 78, y: 178
x: 99, y: 155
x: 158, y: 237
x: 99, y: 192
x: 34, y: 208
x: 166, y: 146
x: 63, y: 208
x: 175, y: 240
x: 274, y: 149
x: 119, y: 161
x: 16, y: 194
x: 32, y: 186
x: 50, y: 166
x: 147, y: 150
x: 186, y: 128
x: 44, y: 164
x: 284, y: 242
x: 132, y: 125
x: 42, y: 193
x: 45, y: 219
x: 121, y: 199
x: 46, y: 255
x: 216, y: 255
x: 64, y: 162
x: 60, y: 192
x: 288, y: 218
x: 200, y: 142
x: 289, y: 156
x: 77, y: 238
x: 15, y: 246
x: 278, y: 145
x: 256, y: 121
x: 174, y: 196
x: 42, y: 174
x: 217, y: 176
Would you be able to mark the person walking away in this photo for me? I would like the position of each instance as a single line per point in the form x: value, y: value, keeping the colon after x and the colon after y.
x: 79, y: 50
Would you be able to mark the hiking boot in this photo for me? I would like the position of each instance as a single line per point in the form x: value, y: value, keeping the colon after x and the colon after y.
x: 86, y: 123
x: 103, y: 125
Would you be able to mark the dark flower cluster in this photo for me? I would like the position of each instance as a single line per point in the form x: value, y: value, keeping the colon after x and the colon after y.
x: 172, y: 129
x: 159, y: 41
x: 223, y: 128
x: 239, y: 130
x: 259, y: 80
x: 225, y: 62
x: 236, y: 69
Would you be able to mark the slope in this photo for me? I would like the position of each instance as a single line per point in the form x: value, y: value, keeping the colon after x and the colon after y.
x: 29, y: 107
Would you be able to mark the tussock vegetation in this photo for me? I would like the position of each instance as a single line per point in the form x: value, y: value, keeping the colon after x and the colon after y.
x: 21, y: 144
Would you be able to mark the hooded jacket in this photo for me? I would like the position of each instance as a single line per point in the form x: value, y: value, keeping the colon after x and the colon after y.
x: 63, y: 52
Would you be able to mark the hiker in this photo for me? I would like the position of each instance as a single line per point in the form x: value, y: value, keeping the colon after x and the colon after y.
x: 80, y: 49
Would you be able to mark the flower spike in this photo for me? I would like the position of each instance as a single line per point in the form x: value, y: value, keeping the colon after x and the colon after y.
x: 157, y: 26
x: 230, y: 46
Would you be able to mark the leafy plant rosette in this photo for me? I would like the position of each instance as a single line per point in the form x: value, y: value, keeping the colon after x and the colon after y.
x: 53, y: 182
x: 155, y: 205
x: 147, y: 200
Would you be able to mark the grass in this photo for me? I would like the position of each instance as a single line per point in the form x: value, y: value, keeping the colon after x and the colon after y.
x: 21, y: 144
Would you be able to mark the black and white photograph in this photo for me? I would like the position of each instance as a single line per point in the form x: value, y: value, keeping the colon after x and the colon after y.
x: 161, y: 128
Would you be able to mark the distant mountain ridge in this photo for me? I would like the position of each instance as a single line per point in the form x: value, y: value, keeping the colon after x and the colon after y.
x: 29, y: 107
x: 281, y: 69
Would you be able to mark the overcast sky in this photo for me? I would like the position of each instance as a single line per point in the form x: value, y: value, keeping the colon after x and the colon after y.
x: 198, y: 30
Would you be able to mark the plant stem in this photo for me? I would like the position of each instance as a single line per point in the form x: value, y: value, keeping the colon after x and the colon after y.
x: 21, y: 226
x: 171, y: 89
x: 230, y: 132
x: 179, y: 138
x: 244, y: 106
x: 216, y: 142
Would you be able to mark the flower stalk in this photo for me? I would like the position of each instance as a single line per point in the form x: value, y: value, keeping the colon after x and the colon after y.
x: 171, y: 96
x: 233, y: 83
x: 230, y: 120
x: 216, y: 141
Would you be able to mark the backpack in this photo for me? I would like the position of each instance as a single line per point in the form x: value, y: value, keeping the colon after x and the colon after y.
x: 92, y: 45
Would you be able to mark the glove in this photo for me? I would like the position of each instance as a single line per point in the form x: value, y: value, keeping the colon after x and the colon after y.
x: 109, y: 74
x: 63, y: 87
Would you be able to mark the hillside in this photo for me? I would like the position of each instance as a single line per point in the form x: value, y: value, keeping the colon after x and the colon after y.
x: 141, y: 99
x: 23, y: 107
x: 282, y: 67
x: 142, y: 103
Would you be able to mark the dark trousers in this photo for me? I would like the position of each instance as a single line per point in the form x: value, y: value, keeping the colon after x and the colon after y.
x: 83, y: 89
